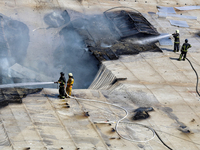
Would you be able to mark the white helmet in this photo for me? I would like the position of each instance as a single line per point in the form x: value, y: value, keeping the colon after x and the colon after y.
x: 70, y: 74
x: 177, y: 31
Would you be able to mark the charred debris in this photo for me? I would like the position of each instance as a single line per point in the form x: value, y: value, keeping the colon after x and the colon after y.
x: 106, y: 36
x: 15, y: 95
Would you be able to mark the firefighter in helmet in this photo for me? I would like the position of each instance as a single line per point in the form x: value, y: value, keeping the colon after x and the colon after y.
x: 184, y: 50
x: 70, y: 83
x: 62, y: 82
x: 176, y: 41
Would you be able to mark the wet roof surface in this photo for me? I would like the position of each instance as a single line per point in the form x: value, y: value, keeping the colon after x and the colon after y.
x: 154, y: 80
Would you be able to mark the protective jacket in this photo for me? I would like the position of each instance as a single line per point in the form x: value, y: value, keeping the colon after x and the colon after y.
x: 62, y: 81
x: 176, y: 38
x: 185, y: 47
x: 70, y: 82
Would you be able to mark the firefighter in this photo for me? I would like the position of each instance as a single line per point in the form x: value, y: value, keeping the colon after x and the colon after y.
x: 184, y: 50
x: 70, y: 83
x: 176, y: 41
x: 62, y: 82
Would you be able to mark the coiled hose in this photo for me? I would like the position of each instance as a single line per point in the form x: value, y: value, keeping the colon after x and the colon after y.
x: 120, y: 120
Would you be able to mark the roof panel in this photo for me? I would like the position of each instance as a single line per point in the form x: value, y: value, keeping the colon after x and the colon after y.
x: 133, y: 21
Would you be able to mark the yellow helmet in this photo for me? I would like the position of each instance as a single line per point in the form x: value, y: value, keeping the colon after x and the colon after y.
x: 177, y: 31
x: 70, y: 74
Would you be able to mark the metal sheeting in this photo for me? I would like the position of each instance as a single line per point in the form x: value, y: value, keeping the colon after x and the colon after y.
x: 182, y: 16
x: 165, y: 41
x: 166, y: 9
x: 170, y: 12
x: 179, y: 23
x: 129, y: 23
x: 164, y: 15
x: 151, y: 13
x: 188, y: 7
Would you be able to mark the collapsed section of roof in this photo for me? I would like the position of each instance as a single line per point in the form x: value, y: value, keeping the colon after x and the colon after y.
x: 112, y: 34
x: 128, y: 23
x: 123, y: 23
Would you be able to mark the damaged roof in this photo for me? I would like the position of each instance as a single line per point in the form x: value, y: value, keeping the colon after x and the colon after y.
x: 157, y: 80
x: 129, y: 22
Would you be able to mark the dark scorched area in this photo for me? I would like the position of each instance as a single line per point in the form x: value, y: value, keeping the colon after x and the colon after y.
x: 105, y: 35
x: 14, y: 95
x: 84, y: 41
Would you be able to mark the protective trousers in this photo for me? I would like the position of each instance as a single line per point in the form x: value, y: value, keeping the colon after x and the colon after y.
x: 62, y: 91
x: 183, y: 54
x: 176, y: 47
x: 69, y: 90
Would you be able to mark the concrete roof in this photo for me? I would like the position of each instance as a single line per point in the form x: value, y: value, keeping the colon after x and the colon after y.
x: 155, y: 80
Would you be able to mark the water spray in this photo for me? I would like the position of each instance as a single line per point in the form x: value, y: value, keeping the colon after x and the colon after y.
x: 148, y: 40
x: 24, y: 84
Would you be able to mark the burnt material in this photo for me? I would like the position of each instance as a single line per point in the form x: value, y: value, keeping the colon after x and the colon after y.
x: 142, y: 113
x: 129, y: 23
x: 184, y: 129
x: 87, y: 114
x: 14, y: 95
x: 124, y: 24
x: 122, y: 48
x: 103, y: 53
x: 198, y: 33
x: 118, y: 79
x: 11, y: 95
x: 112, y: 34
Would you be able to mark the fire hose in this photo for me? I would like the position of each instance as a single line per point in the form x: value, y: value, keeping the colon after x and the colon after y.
x: 196, y: 75
x: 120, y: 120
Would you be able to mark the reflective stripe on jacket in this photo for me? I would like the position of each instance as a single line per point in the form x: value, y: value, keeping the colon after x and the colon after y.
x: 62, y: 81
x: 176, y: 38
x: 185, y: 47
